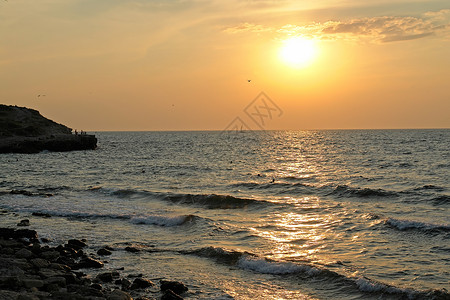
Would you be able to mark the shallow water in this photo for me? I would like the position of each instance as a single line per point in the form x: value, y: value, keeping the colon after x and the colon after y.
x: 358, y: 214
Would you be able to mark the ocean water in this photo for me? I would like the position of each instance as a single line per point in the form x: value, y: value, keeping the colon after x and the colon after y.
x: 353, y: 214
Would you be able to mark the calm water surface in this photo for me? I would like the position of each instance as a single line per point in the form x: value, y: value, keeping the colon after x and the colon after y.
x: 253, y: 215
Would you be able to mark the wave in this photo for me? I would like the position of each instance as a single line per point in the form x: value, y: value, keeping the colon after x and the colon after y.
x: 430, y: 187
x: 251, y: 262
x: 214, y: 201
x: 441, y: 200
x: 159, y: 220
x: 415, y: 225
x: 210, y: 201
x: 279, y: 187
x: 164, y: 220
x: 346, y: 191
x: 264, y: 266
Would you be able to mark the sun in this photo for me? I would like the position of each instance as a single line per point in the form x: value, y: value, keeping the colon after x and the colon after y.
x: 298, y: 51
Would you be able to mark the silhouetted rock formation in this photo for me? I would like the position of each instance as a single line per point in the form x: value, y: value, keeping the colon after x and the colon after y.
x: 24, y: 130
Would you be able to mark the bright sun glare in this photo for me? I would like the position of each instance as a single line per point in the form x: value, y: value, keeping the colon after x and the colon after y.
x: 298, y: 52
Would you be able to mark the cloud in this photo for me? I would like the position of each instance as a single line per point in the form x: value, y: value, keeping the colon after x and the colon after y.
x: 382, y: 29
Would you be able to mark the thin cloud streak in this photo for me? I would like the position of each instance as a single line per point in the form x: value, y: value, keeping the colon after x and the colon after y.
x: 381, y: 29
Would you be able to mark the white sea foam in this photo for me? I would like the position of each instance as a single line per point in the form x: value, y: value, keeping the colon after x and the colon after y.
x: 368, y: 286
x: 408, y: 224
x: 162, y: 220
x: 278, y: 268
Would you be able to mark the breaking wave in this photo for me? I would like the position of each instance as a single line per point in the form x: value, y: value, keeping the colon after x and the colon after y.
x: 416, y: 225
x: 210, y: 201
x: 346, y: 191
x: 251, y: 262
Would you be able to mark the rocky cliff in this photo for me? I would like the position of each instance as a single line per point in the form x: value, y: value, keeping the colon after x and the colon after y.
x: 24, y: 130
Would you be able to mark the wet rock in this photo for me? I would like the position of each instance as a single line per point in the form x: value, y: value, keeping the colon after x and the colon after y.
x: 105, y: 277
x: 118, y: 295
x: 9, y: 233
x: 132, y: 249
x: 175, y: 286
x: 66, y: 261
x: 21, y: 192
x: 104, y: 252
x: 24, y: 222
x: 141, y: 283
x: 76, y: 244
x: 43, y: 215
x: 171, y: 295
x: 124, y: 283
x: 89, y: 263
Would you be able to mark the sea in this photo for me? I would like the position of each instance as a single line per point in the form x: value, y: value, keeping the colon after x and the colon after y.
x: 327, y: 214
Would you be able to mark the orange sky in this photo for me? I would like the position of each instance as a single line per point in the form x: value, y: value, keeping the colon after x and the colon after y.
x: 185, y: 65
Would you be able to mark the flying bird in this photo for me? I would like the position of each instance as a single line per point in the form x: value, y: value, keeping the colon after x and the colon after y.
x: 249, y: 80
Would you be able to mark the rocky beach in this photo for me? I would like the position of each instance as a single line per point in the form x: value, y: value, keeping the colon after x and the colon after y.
x: 31, y: 269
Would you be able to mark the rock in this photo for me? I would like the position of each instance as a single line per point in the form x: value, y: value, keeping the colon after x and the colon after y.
x: 36, y: 248
x: 141, y: 283
x: 50, y: 254
x: 104, y: 252
x: 8, y: 295
x: 76, y: 244
x: 84, y: 290
x: 119, y: 295
x: 39, y: 263
x: 58, y: 280
x: 124, y: 283
x: 171, y: 295
x: 24, y: 253
x: 177, y: 287
x: 132, y: 249
x: 70, y: 278
x: 10, y: 243
x: 43, y: 215
x: 25, y: 222
x: 21, y: 192
x: 105, y: 277
x: 29, y: 283
x: 89, y: 263
x: 97, y: 286
x: 27, y: 296
x: 9, y: 233
x: 24, y: 130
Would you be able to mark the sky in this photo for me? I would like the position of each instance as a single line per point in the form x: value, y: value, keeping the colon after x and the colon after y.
x: 219, y: 65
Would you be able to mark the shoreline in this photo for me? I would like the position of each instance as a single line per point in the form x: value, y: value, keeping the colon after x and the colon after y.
x: 31, y: 269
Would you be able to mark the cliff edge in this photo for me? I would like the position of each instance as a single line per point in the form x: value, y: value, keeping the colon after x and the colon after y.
x: 25, y: 130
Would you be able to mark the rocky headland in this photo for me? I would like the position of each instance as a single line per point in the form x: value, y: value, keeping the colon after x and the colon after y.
x: 25, y: 130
